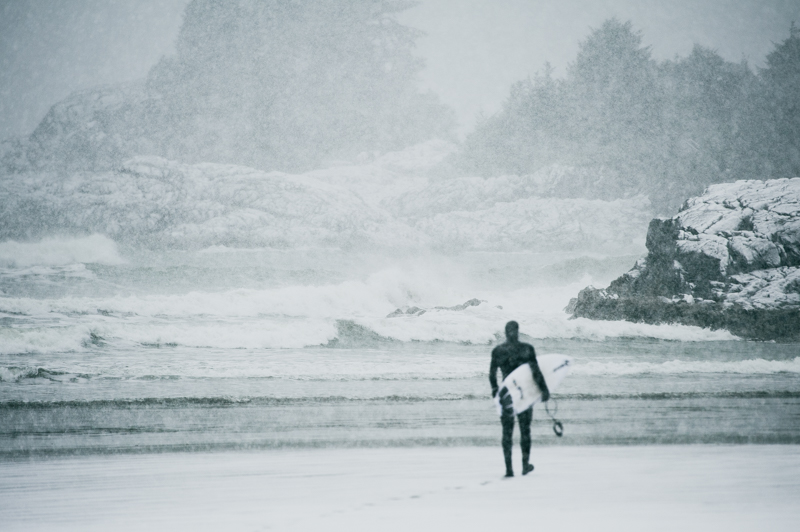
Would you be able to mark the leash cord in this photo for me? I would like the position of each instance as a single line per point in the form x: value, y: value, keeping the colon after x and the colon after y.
x: 558, y: 427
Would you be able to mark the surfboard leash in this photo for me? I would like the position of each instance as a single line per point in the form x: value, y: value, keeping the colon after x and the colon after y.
x: 558, y: 427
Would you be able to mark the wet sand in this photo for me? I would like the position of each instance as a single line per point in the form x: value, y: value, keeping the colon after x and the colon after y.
x: 679, y: 487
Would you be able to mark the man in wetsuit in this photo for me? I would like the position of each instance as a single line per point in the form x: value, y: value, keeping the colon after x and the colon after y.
x: 508, y: 357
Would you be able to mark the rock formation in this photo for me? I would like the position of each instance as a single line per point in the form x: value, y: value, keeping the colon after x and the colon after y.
x: 729, y: 259
x: 155, y: 202
x: 416, y: 311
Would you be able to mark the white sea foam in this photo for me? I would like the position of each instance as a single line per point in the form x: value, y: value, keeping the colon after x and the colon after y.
x: 15, y: 374
x: 244, y: 334
x: 295, y: 316
x: 470, y: 326
x: 486, y: 327
x: 539, y: 312
x: 42, y: 339
x: 378, y: 295
x: 75, y: 270
x: 59, y: 252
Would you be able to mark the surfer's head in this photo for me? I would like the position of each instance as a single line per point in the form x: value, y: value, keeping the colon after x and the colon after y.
x: 512, y: 331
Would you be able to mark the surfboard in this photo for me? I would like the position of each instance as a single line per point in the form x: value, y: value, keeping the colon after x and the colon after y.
x: 523, y: 389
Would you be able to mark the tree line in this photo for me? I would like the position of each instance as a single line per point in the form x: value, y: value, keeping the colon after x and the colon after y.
x: 666, y: 129
x: 290, y: 84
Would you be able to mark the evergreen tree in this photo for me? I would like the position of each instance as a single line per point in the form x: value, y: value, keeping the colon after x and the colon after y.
x: 287, y: 83
x: 524, y: 135
x: 606, y: 113
x: 614, y: 103
x: 707, y: 108
x: 666, y: 130
x: 782, y: 79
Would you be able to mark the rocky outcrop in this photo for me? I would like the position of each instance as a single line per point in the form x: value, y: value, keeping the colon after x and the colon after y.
x: 416, y: 311
x: 729, y: 259
x: 91, y: 130
x: 154, y: 202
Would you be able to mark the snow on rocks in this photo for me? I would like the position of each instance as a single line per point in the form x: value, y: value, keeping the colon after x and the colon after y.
x: 764, y: 289
x: 151, y: 200
x: 83, y: 132
x: 730, y: 259
x: 758, y: 221
x: 386, y: 201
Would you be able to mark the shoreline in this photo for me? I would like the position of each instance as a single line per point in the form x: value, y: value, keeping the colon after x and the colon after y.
x: 379, y: 444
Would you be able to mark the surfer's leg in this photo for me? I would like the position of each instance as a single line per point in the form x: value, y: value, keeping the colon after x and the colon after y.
x: 525, y: 419
x: 508, y: 432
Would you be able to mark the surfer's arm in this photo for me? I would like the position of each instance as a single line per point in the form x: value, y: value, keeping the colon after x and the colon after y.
x: 538, y: 378
x: 493, y: 374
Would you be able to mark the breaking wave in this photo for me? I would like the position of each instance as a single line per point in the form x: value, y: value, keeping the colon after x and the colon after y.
x: 392, y: 305
x: 21, y: 373
x: 98, y: 330
x: 43, y: 339
x: 94, y: 249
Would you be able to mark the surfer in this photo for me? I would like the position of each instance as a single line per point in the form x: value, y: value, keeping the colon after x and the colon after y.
x: 508, y: 356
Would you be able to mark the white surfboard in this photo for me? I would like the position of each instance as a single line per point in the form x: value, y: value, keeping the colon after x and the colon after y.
x: 523, y: 389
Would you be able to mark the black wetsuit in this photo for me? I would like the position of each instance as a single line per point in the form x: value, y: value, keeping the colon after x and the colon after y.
x: 508, y: 357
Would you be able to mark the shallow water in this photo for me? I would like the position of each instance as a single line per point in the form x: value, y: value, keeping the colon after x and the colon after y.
x: 130, y: 351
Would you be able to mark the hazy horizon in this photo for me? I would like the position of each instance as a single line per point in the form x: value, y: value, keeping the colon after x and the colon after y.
x: 473, y: 50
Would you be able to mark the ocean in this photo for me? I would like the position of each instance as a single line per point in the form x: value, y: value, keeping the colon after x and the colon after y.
x: 108, y: 349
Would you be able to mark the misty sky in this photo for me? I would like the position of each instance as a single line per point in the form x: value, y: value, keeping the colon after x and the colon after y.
x: 474, y: 49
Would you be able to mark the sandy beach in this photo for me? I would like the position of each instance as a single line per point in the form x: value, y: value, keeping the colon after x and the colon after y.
x: 681, y: 487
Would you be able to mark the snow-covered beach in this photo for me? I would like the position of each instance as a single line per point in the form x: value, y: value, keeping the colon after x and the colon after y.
x: 680, y: 487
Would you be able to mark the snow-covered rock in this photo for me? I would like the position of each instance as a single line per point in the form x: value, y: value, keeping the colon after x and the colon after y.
x: 764, y: 289
x: 388, y: 201
x: 91, y: 129
x: 747, y: 225
x: 730, y: 258
x: 151, y: 200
